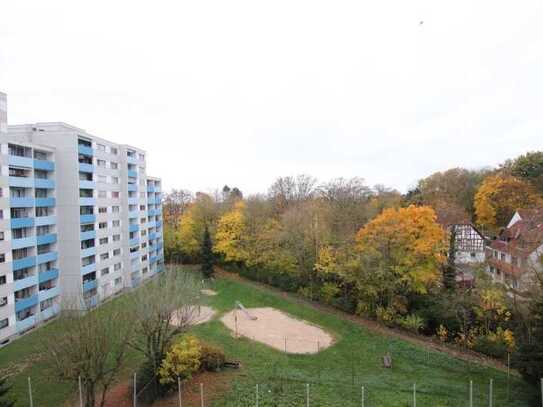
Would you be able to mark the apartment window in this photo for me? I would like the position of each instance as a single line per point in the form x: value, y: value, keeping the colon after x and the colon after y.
x: 143, y: 195
x: 117, y: 252
x: 118, y: 281
x: 116, y: 223
x: 2, y: 280
x: 113, y: 151
x: 104, y: 256
x: 142, y: 170
x: 87, y: 228
x: 102, y: 194
x: 144, y: 245
x: 144, y: 233
x: 40, y: 155
x: 40, y: 193
x: 102, y: 225
x: 502, y: 256
x: 115, y: 209
x: 142, y: 207
x: 2, y: 258
x: 144, y: 270
x: 117, y: 267
x: 142, y: 220
x: 104, y: 240
x: 114, y: 180
x: 142, y: 156
x: 104, y: 272
x: 115, y: 194
x: 102, y: 209
x: 101, y: 163
x: 43, y: 212
x: 114, y: 165
x: 3, y: 301
x: 144, y: 258
x: 1, y: 212
x: 101, y: 147
x: 116, y: 238
x: 102, y: 179
x: 4, y: 323
x: 1, y: 236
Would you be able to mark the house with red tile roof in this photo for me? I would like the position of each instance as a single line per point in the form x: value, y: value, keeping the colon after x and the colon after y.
x: 516, y: 255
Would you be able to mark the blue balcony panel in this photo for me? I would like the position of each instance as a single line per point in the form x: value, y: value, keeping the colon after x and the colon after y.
x: 133, y: 214
x: 87, y: 201
x: 49, y: 312
x: 46, y: 257
x: 49, y: 293
x: 45, y: 202
x: 91, y: 251
x: 92, y: 301
x: 22, y: 202
x: 133, y: 201
x: 46, y: 220
x: 133, y: 242
x: 89, y: 285
x: 152, y: 236
x: 17, y: 161
x: 87, y: 184
x: 132, y: 187
x: 88, y: 269
x: 44, y: 165
x: 87, y: 219
x: 23, y: 242
x: 26, y: 302
x: 133, y: 228
x: 84, y: 167
x: 158, y: 223
x: 136, y: 281
x: 131, y: 159
x: 18, y: 223
x: 132, y: 173
x: 47, y: 275
x: 25, y: 324
x: 153, y: 259
x: 150, y: 188
x: 84, y: 150
x: 25, y: 283
x: 135, y: 254
x: 45, y: 239
x: 23, y: 263
x: 91, y: 234
x: 44, y: 183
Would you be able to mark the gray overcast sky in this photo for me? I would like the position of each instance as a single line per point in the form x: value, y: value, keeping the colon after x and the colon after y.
x: 240, y: 92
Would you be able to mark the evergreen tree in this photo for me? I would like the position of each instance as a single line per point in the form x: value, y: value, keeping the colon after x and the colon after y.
x: 208, y: 258
x: 528, y: 360
x: 4, y: 390
x: 449, y: 269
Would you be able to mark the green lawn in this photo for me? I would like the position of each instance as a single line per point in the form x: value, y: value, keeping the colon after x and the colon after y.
x: 335, y: 375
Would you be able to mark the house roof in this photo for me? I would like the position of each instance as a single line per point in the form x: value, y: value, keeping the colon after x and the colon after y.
x: 524, y: 236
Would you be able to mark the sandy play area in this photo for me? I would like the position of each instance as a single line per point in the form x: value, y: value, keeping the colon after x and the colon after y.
x: 196, y: 315
x: 278, y: 330
x: 207, y: 291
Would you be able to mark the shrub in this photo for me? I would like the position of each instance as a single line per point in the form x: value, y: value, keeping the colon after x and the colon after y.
x: 328, y: 292
x: 212, y: 358
x: 412, y: 323
x: 385, y: 315
x: 496, y: 344
x: 182, y: 360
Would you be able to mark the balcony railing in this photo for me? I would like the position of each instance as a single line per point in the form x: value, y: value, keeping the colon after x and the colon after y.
x: 45, y: 220
x: 85, y: 150
x: 49, y: 293
x: 47, y: 238
x: 29, y: 241
x: 84, y: 167
x: 44, y: 165
x: 46, y: 257
x: 19, y: 161
x: 26, y: 282
x: 87, y: 201
x: 47, y: 275
x: 21, y: 182
x: 44, y: 183
x: 91, y: 251
x: 45, y: 202
x: 23, y: 303
x: 25, y: 324
x: 89, y: 285
x: 23, y: 263
x: 87, y: 218
x: 89, y: 268
x: 91, y: 234
x: 22, y: 202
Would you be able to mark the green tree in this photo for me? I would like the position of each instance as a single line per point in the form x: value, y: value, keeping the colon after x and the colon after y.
x: 528, y: 166
x: 4, y: 390
x: 208, y: 258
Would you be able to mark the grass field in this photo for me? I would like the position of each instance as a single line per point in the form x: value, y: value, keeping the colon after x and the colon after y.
x: 335, y: 375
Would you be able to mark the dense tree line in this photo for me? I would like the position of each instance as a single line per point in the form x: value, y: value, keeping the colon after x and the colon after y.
x: 371, y: 250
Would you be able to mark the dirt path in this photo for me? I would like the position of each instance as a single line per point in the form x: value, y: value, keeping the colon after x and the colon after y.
x: 426, y: 342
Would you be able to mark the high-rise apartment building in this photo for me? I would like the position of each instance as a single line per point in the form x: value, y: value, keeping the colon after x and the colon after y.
x: 82, y: 221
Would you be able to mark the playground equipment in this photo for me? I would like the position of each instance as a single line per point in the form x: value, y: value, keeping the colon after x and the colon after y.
x: 247, y: 314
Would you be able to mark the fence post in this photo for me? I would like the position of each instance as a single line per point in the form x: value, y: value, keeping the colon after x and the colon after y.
x: 201, y: 394
x: 257, y: 395
x: 307, y: 394
x: 30, y: 393
x: 80, y: 392
x: 471, y: 393
x: 135, y: 401
x: 179, y: 391
x: 285, y: 344
x: 362, y: 396
x: 414, y: 394
x: 508, y: 374
x: 490, y: 393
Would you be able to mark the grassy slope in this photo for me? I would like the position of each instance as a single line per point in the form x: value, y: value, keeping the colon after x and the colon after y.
x: 337, y: 374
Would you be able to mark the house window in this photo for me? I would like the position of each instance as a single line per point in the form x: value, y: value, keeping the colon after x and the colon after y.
x: 114, y: 180
x: 104, y: 256
x: 473, y: 255
x: 103, y: 240
x: 102, y: 209
x: 102, y: 225
x: 2, y: 258
x: 4, y: 323
x: 117, y: 267
x: 502, y: 256
x: 101, y: 147
x: 102, y: 194
x: 101, y: 163
x: 116, y: 238
x: 102, y: 179
x: 117, y: 252
x: 104, y: 271
x: 115, y: 209
x: 116, y: 223
x: 115, y: 194
x: 118, y: 281
x: 2, y: 280
x: 114, y: 165
x: 3, y: 301
x: 1, y: 236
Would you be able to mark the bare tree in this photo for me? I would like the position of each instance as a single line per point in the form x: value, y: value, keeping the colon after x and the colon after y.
x: 165, y: 307
x: 175, y: 204
x: 286, y: 191
x: 88, y: 345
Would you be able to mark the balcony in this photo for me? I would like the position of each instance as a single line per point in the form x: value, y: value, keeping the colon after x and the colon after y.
x: 92, y: 302
x: 87, y: 201
x: 132, y: 173
x: 132, y: 159
x: 44, y: 165
x: 49, y: 293
x: 91, y: 251
x: 29, y: 241
x: 21, y: 182
x: 84, y: 167
x: 133, y: 201
x: 45, y: 220
x: 133, y: 214
x: 24, y: 303
x: 22, y: 202
x: 152, y: 236
x: 85, y: 150
x: 89, y: 285
x: 18, y: 223
x: 150, y: 188
x: 91, y: 234
x: 87, y: 219
x: 45, y: 202
x: 136, y: 281
x: 25, y: 282
x: 158, y: 223
x: 89, y: 268
x: 87, y: 184
x: 133, y: 228
x: 25, y: 324
x: 48, y: 238
x: 135, y: 254
x: 133, y: 242
x: 153, y: 259
x: 44, y: 183
x: 19, y: 161
x: 132, y: 187
x: 49, y: 312
x: 47, y: 275
x: 46, y: 257
x: 23, y: 263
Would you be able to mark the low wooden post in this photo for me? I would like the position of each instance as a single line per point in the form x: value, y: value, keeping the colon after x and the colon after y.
x: 80, y: 392
x: 363, y: 396
x: 471, y: 393
x: 134, y: 397
x: 31, y: 402
x: 201, y: 394
x: 179, y: 391
x: 414, y: 395
x: 307, y: 394
x: 257, y: 395
x: 490, y: 393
